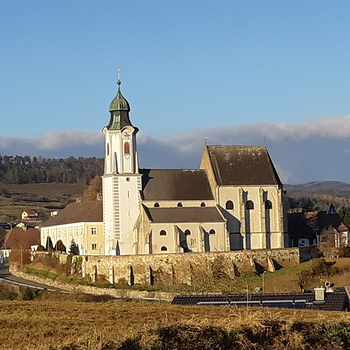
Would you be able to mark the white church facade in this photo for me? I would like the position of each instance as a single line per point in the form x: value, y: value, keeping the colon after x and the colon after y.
x: 233, y: 201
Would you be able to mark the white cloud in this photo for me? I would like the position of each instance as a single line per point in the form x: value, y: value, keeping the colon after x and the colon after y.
x: 314, y: 150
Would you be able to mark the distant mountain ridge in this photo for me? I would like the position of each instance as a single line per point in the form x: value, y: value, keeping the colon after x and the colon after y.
x: 326, y: 187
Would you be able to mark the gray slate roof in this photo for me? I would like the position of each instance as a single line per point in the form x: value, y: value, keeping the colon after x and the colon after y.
x: 184, y: 214
x: 242, y: 165
x: 175, y: 184
x: 90, y: 211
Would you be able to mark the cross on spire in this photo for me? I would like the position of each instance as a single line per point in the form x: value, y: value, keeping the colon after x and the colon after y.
x: 119, y: 82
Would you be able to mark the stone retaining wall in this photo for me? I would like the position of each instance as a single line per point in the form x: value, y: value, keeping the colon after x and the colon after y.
x: 74, y: 288
x: 190, y: 268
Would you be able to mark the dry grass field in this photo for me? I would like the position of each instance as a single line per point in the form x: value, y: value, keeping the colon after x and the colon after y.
x: 62, y: 321
x: 77, y: 322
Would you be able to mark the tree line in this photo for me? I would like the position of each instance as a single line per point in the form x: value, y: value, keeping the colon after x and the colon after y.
x: 26, y: 169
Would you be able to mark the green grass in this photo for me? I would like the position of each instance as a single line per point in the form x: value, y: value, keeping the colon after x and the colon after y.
x: 41, y: 273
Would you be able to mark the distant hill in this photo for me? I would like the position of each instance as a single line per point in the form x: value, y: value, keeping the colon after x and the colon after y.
x: 319, y: 195
x: 333, y: 188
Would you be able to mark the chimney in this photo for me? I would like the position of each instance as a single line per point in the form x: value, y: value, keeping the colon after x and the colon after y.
x: 319, y: 293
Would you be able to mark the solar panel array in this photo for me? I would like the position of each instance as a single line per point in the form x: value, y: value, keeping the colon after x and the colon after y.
x: 337, y: 301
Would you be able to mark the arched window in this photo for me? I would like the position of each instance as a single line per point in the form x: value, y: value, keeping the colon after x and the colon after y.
x: 156, y: 205
x: 268, y: 205
x: 126, y: 148
x: 203, y: 204
x: 162, y: 233
x: 164, y: 249
x: 107, y: 149
x: 249, y: 205
x: 229, y: 205
x: 179, y: 205
x: 187, y: 232
x: 212, y: 232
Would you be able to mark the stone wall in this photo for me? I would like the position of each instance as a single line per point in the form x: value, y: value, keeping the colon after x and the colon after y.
x: 190, y: 268
x: 76, y: 288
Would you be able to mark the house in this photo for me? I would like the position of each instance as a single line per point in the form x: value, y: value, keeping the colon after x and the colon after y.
x: 18, y: 239
x: 235, y: 200
x: 80, y: 222
x: 317, y: 227
x: 30, y: 215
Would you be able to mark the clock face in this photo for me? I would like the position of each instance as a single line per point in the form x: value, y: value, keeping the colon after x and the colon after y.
x: 127, y: 135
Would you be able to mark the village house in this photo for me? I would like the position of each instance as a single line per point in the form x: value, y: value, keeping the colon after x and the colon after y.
x: 30, y: 215
x: 80, y: 222
x: 324, y: 226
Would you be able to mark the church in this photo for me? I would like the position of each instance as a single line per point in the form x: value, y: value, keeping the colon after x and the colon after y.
x: 234, y: 201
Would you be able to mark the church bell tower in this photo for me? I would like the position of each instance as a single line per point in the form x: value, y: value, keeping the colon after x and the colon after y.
x: 121, y: 180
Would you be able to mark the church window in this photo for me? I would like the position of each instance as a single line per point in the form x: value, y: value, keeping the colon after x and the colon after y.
x: 127, y: 148
x: 203, y: 204
x: 229, y: 205
x: 212, y: 232
x: 156, y: 205
x: 107, y: 149
x: 94, y: 246
x: 268, y: 205
x: 179, y: 205
x: 162, y: 233
x: 187, y: 232
x: 94, y: 230
x: 249, y: 205
x: 128, y: 179
x: 164, y: 249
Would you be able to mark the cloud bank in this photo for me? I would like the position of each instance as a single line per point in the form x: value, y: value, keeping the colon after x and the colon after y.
x: 314, y: 150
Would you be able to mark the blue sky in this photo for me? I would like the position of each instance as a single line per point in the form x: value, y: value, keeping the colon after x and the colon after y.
x: 187, y: 67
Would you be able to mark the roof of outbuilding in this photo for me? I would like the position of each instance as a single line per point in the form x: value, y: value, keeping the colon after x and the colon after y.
x: 175, y: 184
x: 20, y: 238
x: 182, y: 214
x: 242, y: 165
x: 337, y: 301
x: 90, y: 211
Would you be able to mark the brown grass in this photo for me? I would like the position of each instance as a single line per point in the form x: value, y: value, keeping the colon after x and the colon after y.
x: 72, y: 322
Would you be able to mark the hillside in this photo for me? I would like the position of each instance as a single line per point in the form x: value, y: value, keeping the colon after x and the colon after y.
x: 318, y: 195
x: 43, y: 197
x: 333, y: 188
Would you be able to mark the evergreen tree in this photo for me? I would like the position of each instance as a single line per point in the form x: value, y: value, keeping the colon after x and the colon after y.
x: 73, y: 249
x: 49, y: 245
x: 60, y: 246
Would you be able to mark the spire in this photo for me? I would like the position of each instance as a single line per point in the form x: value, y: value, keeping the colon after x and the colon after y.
x: 119, y: 103
x: 119, y: 110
